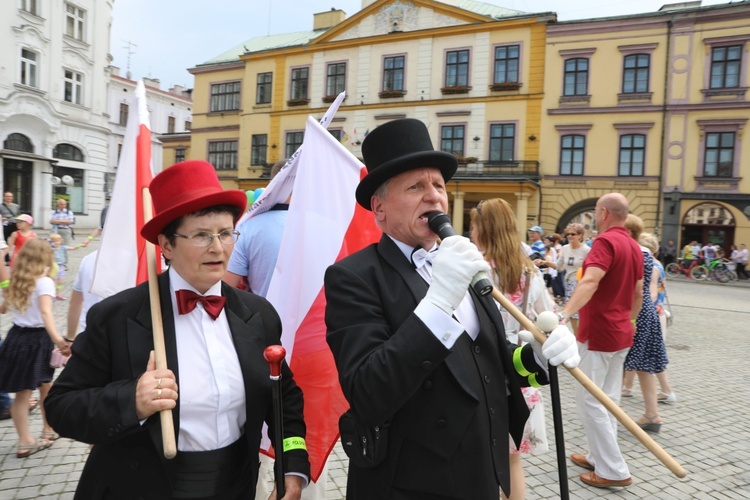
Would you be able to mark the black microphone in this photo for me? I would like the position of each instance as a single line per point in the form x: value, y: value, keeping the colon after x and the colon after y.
x: 440, y: 224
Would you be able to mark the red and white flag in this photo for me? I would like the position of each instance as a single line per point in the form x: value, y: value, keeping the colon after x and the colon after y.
x: 324, y: 224
x: 121, y: 262
x: 280, y: 187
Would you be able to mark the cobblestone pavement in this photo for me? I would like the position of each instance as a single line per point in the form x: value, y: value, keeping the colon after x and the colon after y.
x: 705, y: 431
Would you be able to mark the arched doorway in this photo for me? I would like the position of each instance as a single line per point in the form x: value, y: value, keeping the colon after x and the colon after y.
x: 582, y: 213
x: 17, y: 173
x: 708, y: 223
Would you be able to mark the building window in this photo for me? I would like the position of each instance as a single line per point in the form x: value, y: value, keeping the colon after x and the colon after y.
x: 223, y: 155
x: 576, y: 76
x: 74, y: 22
x: 457, y: 68
x: 452, y: 139
x: 725, y: 67
x: 263, y: 88
x: 188, y: 125
x: 300, y: 79
x: 29, y: 6
x: 719, y: 156
x: 124, y: 111
x: 635, y: 74
x: 225, y: 96
x: 572, y: 149
x: 393, y: 73
x: 336, y: 80
x: 337, y: 133
x: 507, y: 60
x: 18, y: 142
x: 632, y: 155
x: 179, y: 155
x: 73, y: 87
x: 502, y: 141
x: 258, y: 149
x: 29, y: 74
x: 293, y: 142
x: 170, y: 124
x: 67, y: 152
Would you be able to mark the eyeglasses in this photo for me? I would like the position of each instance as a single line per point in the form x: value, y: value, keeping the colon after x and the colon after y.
x: 479, y: 207
x: 204, y: 238
x: 571, y: 234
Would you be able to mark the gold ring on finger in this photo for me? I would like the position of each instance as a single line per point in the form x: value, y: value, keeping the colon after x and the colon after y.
x: 158, y: 394
x: 158, y: 384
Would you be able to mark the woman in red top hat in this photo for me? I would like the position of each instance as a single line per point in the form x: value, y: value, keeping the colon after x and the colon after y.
x: 217, y: 384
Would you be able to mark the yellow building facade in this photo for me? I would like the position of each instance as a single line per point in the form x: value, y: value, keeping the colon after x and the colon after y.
x: 652, y: 106
x: 476, y: 78
x: 547, y: 115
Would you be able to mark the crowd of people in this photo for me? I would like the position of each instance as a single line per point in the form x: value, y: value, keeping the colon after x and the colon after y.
x: 445, y: 387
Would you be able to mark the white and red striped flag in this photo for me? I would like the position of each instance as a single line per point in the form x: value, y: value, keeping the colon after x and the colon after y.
x: 324, y: 224
x: 121, y: 263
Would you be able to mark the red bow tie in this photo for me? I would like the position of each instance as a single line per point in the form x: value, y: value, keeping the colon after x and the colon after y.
x: 187, y: 299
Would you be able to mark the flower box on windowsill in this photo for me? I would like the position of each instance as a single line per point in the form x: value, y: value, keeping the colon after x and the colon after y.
x: 330, y: 98
x: 389, y: 94
x: 456, y: 89
x: 298, y: 102
x: 500, y: 87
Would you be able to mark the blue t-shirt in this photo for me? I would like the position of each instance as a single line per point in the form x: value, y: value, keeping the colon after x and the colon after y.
x: 257, y: 249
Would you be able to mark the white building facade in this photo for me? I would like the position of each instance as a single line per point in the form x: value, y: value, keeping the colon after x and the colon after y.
x: 54, y: 72
x: 170, y: 115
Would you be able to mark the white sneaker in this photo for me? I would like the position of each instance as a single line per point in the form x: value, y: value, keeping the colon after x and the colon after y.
x: 669, y: 399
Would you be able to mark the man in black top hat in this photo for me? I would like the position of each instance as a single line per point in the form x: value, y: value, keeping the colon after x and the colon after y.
x: 419, y: 356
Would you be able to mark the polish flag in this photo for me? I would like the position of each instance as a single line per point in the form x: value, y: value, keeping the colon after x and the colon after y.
x: 121, y: 262
x: 324, y: 224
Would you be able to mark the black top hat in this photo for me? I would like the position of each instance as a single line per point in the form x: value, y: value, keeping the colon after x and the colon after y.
x: 397, y: 147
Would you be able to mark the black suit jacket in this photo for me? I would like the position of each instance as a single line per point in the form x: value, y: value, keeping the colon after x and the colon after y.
x: 93, y: 399
x: 393, y: 369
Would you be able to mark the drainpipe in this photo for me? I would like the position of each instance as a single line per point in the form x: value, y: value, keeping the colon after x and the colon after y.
x: 662, y: 149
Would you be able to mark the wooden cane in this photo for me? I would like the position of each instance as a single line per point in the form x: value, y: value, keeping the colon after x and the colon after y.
x: 160, y: 352
x: 595, y: 391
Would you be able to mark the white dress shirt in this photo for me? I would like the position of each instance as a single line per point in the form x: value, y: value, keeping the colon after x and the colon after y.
x: 211, y: 387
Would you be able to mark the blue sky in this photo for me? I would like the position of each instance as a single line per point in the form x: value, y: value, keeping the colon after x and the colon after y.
x: 173, y: 35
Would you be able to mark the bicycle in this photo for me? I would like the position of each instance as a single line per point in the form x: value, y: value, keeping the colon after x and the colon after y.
x: 716, y: 270
x: 682, y: 266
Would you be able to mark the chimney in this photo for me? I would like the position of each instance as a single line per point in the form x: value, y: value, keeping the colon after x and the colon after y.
x: 328, y: 19
x: 151, y: 82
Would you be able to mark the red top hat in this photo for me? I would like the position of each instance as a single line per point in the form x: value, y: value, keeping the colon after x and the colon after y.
x: 185, y: 188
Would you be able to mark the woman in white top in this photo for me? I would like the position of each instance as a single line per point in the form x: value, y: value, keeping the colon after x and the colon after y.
x: 495, y: 233
x: 570, y: 260
x: 25, y: 354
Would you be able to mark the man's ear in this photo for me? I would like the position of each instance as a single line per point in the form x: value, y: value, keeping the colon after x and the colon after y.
x: 376, y: 205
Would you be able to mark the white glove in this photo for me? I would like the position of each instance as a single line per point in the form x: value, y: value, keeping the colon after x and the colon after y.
x: 560, y: 347
x: 456, y: 263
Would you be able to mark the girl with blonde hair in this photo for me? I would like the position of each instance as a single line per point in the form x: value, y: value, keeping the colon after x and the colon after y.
x: 25, y: 354
x: 494, y: 232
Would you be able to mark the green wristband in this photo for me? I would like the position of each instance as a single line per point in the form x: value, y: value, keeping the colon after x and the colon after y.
x: 294, y: 443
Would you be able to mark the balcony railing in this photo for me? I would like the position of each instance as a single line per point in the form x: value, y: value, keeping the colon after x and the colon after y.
x: 498, y: 170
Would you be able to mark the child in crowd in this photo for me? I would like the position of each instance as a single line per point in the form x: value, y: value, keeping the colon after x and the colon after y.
x: 21, y: 235
x: 61, y: 259
x: 25, y: 354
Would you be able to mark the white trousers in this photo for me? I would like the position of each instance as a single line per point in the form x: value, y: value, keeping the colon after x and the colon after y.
x: 605, y: 370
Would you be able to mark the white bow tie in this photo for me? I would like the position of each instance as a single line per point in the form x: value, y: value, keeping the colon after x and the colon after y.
x: 420, y: 257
